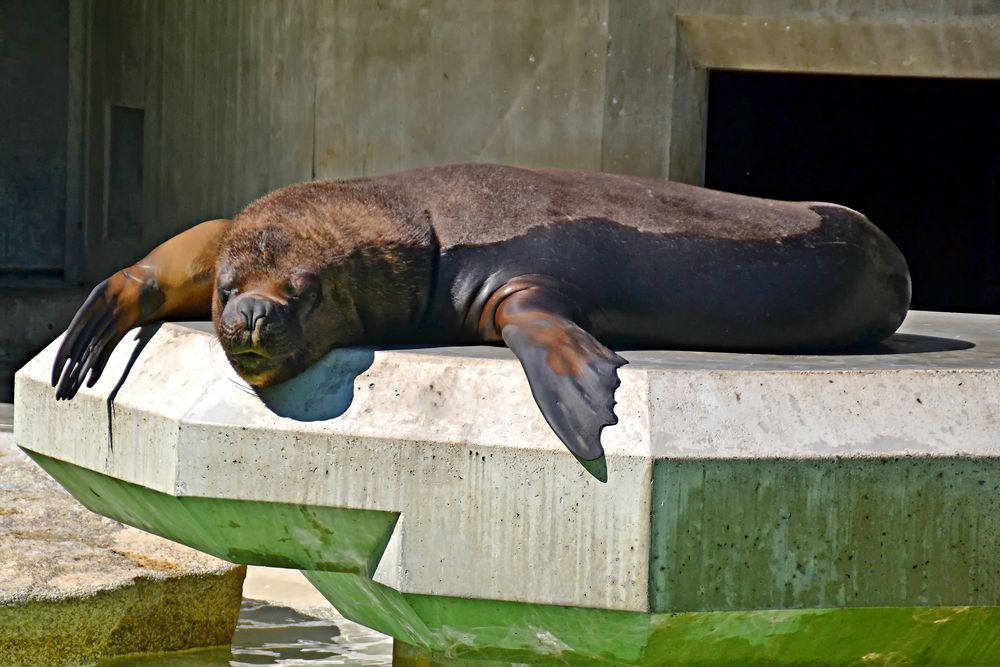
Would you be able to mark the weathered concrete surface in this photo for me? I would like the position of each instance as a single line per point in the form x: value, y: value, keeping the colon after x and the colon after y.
x: 75, y: 586
x: 766, y: 498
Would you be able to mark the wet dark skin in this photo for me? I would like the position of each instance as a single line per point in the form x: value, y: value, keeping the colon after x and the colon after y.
x: 559, y: 265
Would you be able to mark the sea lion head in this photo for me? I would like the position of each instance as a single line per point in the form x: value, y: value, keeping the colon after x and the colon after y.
x: 304, y: 270
x: 276, y: 309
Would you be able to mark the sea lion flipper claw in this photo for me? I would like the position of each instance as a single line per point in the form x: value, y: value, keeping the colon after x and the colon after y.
x: 572, y: 376
x: 173, y: 281
x: 97, y: 327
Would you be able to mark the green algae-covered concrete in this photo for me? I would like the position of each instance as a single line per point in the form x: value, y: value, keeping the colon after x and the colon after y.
x: 759, y: 509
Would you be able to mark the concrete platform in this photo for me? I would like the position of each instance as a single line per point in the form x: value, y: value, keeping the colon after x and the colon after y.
x: 770, y: 508
x: 75, y: 586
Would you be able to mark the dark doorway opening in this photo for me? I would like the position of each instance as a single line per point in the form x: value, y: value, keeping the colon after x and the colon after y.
x: 919, y: 157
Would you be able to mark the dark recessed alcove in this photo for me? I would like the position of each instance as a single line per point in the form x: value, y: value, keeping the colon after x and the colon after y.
x: 919, y: 157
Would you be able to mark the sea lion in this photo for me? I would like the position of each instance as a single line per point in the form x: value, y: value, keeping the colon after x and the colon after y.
x: 559, y: 265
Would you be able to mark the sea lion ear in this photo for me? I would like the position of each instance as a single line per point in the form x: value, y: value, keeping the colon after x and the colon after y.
x: 572, y: 376
x: 306, y: 288
x: 225, y: 277
x: 302, y: 282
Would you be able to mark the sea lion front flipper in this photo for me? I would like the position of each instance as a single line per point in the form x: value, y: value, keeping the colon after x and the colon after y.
x: 572, y: 376
x: 173, y: 282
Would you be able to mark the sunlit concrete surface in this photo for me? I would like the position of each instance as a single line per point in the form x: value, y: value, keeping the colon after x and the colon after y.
x: 283, y: 588
x: 75, y: 586
x: 424, y: 495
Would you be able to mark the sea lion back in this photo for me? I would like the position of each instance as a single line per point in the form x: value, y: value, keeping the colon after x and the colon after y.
x: 478, y: 204
x: 662, y: 264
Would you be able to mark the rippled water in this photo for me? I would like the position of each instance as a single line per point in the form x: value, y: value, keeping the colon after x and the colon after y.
x: 270, y: 635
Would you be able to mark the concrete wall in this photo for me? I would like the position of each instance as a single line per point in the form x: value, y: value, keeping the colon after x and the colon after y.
x: 280, y: 91
x: 241, y: 98
x: 34, y: 41
x: 33, y: 91
x: 233, y: 99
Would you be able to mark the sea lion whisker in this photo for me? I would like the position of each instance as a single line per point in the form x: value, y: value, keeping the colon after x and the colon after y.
x: 244, y: 388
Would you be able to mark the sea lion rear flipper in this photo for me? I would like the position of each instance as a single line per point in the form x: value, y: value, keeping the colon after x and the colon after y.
x: 173, y: 282
x: 572, y: 376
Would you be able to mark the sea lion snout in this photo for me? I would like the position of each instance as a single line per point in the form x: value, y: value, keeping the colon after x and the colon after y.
x: 255, y: 328
x: 253, y: 311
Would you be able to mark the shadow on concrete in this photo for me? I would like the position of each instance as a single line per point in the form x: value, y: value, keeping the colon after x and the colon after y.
x: 907, y: 344
x: 143, y: 336
x: 324, y: 391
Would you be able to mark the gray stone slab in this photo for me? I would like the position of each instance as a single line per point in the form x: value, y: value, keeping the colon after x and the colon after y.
x: 75, y: 586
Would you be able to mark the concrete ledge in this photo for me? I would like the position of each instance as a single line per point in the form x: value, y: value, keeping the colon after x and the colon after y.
x: 771, y: 499
x: 75, y: 587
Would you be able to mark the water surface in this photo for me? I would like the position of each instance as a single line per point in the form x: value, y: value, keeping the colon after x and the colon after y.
x: 272, y: 635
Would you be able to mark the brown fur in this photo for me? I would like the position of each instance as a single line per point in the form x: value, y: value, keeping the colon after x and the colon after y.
x: 467, y: 201
x: 374, y: 269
